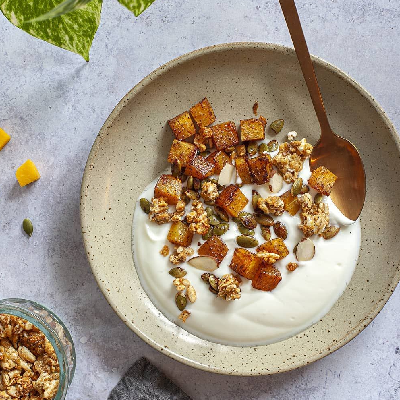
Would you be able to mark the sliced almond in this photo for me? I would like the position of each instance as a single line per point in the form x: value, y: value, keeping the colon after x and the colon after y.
x: 304, y: 250
x: 275, y: 183
x: 227, y: 174
x: 204, y: 263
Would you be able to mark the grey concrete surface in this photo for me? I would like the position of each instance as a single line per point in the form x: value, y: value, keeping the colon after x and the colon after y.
x: 53, y: 104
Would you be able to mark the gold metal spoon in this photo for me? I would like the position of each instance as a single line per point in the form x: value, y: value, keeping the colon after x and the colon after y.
x: 331, y: 151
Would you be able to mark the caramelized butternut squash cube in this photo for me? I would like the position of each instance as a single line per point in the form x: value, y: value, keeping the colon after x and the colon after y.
x: 225, y: 135
x: 260, y: 168
x: 181, y: 152
x: 200, y: 168
x: 276, y: 246
x: 214, y: 247
x: 252, y: 129
x: 245, y: 263
x: 27, y: 173
x: 169, y: 188
x: 202, y: 113
x: 232, y: 200
x: 292, y: 205
x: 243, y: 170
x: 180, y: 234
x: 4, y: 138
x: 322, y: 180
x: 266, y: 277
x: 182, y: 126
x: 218, y: 159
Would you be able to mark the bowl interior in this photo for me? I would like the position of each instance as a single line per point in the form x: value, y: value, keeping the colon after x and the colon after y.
x: 131, y: 150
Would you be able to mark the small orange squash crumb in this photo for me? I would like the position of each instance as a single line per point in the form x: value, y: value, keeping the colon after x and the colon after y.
x: 4, y: 138
x: 27, y: 173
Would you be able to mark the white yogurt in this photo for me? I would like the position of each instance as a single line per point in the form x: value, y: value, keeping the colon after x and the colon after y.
x: 302, y: 297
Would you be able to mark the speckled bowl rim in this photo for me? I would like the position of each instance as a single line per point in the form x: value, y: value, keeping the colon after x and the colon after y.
x: 136, y: 89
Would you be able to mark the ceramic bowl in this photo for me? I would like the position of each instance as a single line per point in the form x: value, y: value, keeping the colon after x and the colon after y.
x: 131, y: 150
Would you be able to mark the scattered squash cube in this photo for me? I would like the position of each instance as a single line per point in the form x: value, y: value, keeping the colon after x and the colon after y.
x: 292, y: 205
x: 245, y: 263
x: 243, y: 170
x: 214, y: 247
x: 252, y: 129
x: 232, y: 200
x: 182, y: 152
x: 200, y: 168
x: 169, y: 188
x: 266, y: 277
x: 260, y: 168
x: 225, y: 135
x: 180, y: 234
x: 218, y: 159
x: 182, y: 126
x: 27, y: 173
x: 202, y: 113
x: 276, y: 246
x: 322, y: 180
x: 4, y: 138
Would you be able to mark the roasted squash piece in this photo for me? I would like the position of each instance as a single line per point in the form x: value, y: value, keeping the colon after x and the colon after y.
x: 225, y: 135
x: 4, y: 138
x: 322, y: 180
x: 169, y: 188
x: 292, y: 205
x: 27, y: 173
x: 276, y: 246
x: 181, y: 152
x: 219, y: 159
x: 180, y: 234
x: 202, y: 113
x: 243, y: 169
x: 182, y: 126
x: 266, y: 277
x: 214, y: 247
x: 245, y: 263
x: 252, y: 129
x: 260, y: 168
x: 200, y: 168
x: 232, y: 200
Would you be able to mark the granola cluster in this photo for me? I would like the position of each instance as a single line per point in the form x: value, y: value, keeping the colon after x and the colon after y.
x: 314, y: 217
x: 269, y: 258
x: 179, y: 211
x: 181, y: 254
x: 228, y: 287
x: 271, y: 205
x: 28, y: 363
x: 197, y: 218
x: 209, y: 191
x: 159, y: 211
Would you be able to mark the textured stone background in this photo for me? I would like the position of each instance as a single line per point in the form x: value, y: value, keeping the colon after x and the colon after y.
x: 53, y: 104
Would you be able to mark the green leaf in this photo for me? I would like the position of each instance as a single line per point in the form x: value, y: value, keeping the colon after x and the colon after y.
x: 73, y: 31
x: 136, y: 6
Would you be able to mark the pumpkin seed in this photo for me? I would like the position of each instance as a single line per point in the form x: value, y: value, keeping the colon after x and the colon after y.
x: 221, y: 214
x: 185, y: 198
x: 177, y: 272
x: 296, y: 187
x: 144, y: 205
x: 176, y: 168
x: 209, y: 211
x: 28, y: 226
x: 230, y: 150
x: 212, y: 290
x: 318, y: 198
x: 264, y: 219
x: 266, y: 232
x: 330, y: 232
x: 205, y: 277
x: 247, y: 219
x: 277, y: 125
x: 246, y: 241
x: 189, y: 184
x: 209, y: 203
x: 245, y: 231
x: 252, y: 149
x: 205, y: 153
x: 207, y: 235
x: 280, y: 230
x: 220, y: 229
x: 254, y: 199
x: 213, y: 281
x: 272, y: 146
x: 213, y: 220
x: 304, y: 189
x: 192, y: 194
x: 180, y: 301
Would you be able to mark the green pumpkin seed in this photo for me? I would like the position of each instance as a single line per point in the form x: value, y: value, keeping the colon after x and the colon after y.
x: 252, y: 149
x: 207, y: 235
x: 247, y: 219
x: 220, y: 229
x: 185, y: 198
x: 246, y: 241
x: 213, y: 220
x: 263, y: 148
x: 273, y: 145
x: 318, y: 198
x: 280, y: 230
x: 221, y: 214
x: 264, y: 219
x: 180, y: 301
x: 176, y: 169
x: 245, y: 231
x: 277, y: 125
x: 205, y: 153
x: 209, y: 211
x: 296, y: 187
x: 266, y: 232
x: 209, y: 203
x: 28, y: 226
x: 254, y: 199
x: 177, y: 272
x: 189, y: 184
x: 144, y: 205
x: 304, y: 189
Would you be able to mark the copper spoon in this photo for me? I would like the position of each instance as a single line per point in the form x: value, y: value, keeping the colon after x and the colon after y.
x: 331, y: 151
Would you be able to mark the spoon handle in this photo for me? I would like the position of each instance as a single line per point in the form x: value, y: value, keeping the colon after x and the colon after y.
x: 296, y: 32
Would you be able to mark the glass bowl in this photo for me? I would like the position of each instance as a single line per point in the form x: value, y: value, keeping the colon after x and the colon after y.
x: 54, y: 330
